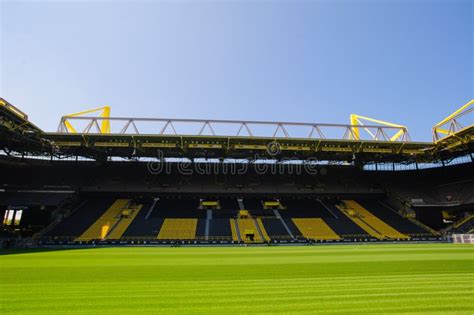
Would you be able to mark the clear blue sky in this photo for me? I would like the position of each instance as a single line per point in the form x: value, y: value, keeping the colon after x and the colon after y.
x: 409, y: 62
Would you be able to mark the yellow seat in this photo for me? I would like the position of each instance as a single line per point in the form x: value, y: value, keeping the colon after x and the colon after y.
x: 369, y: 222
x: 109, y: 218
x: 178, y: 229
x: 315, y: 229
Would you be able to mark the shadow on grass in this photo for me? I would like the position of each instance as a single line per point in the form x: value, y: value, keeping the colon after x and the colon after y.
x: 17, y: 251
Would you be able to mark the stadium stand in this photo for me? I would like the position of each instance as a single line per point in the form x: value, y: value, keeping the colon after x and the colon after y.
x: 261, y: 230
x: 248, y: 231
x: 315, y: 229
x: 463, y: 226
x: 276, y: 229
x: 370, y: 223
x: 178, y: 219
x: 222, y: 229
x: 81, y: 219
x: 88, y: 189
x: 178, y: 229
x: 340, y: 223
x: 143, y: 226
x: 104, y: 224
x: 236, y: 237
x: 386, y: 214
x: 126, y: 218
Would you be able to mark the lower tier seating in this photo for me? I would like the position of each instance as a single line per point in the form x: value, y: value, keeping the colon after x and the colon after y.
x: 149, y: 219
x: 235, y: 230
x: 178, y: 229
x: 143, y: 226
x: 370, y: 223
x: 387, y: 215
x: 220, y: 229
x: 81, y: 219
x: 315, y: 229
x: 124, y: 222
x: 108, y: 219
x: 261, y: 230
x: 248, y: 231
x: 275, y: 229
x: 293, y: 228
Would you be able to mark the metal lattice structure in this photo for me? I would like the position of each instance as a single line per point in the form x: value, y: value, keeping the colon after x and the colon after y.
x: 104, y: 116
x: 364, y: 140
x: 383, y: 131
x: 400, y: 133
x: 453, y: 123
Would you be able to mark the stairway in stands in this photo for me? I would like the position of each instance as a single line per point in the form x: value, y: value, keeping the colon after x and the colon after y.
x: 116, y: 231
x: 109, y: 218
x: 246, y: 226
x: 242, y: 228
x: 261, y: 229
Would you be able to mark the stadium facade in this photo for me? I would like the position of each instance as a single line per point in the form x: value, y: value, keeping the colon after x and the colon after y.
x: 119, y: 180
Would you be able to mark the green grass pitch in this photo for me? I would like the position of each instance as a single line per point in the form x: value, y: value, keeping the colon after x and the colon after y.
x: 347, y: 279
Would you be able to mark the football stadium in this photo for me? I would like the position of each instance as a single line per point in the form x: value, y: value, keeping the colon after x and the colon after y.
x: 102, y: 214
x: 237, y: 157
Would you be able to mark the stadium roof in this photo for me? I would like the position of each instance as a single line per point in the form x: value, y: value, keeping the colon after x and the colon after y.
x: 364, y: 140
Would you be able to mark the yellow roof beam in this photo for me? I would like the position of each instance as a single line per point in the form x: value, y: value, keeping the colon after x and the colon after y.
x: 452, y: 120
x: 456, y: 113
x: 358, y: 120
x: 104, y: 113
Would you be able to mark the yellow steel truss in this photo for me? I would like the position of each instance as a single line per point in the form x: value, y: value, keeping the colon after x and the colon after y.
x: 104, y: 113
x: 358, y: 120
x: 452, y: 122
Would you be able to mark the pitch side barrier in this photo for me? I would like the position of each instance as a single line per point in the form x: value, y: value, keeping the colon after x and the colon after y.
x: 227, y: 242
